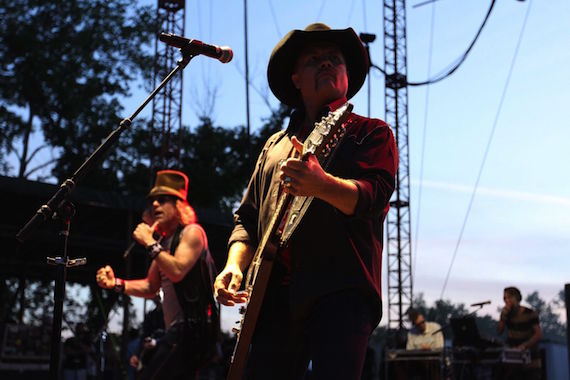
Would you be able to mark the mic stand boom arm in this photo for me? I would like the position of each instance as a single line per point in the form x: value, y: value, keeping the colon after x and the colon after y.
x: 47, y: 210
x: 58, y: 201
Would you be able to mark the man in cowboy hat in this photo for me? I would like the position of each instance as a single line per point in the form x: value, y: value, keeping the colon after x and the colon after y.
x: 182, y: 266
x: 324, y: 297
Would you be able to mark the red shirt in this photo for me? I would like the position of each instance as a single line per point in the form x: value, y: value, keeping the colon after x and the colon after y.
x: 329, y: 251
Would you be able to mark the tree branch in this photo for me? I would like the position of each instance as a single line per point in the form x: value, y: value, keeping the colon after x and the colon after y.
x: 29, y: 173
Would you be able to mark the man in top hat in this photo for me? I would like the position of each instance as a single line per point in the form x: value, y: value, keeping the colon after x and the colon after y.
x: 324, y: 297
x: 182, y: 266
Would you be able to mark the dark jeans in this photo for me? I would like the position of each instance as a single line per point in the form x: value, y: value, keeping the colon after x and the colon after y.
x: 334, y: 336
x: 172, y: 358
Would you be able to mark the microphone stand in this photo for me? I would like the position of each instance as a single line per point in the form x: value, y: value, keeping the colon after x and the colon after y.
x: 446, y: 351
x: 58, y: 202
x: 464, y: 316
x: 65, y: 212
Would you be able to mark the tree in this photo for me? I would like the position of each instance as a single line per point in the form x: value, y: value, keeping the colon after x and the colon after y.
x: 441, y: 312
x: 215, y: 159
x: 219, y: 161
x: 63, y: 68
x: 552, y: 327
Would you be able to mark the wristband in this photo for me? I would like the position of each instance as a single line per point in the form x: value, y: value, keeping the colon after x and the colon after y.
x: 119, y: 285
x: 154, y: 249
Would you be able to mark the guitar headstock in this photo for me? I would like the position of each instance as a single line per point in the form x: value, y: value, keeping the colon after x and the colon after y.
x: 327, y: 133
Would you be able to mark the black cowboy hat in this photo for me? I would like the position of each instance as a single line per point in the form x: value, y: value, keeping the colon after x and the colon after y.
x: 285, y: 54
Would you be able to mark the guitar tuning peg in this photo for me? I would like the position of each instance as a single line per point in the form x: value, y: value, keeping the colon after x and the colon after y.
x: 242, y: 310
x: 235, y: 330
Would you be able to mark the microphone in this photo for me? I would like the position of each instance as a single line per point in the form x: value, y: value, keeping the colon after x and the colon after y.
x: 129, y: 249
x: 134, y: 243
x: 223, y: 54
x: 481, y: 303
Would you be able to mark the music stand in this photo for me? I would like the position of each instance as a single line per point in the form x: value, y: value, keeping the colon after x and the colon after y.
x: 465, y: 332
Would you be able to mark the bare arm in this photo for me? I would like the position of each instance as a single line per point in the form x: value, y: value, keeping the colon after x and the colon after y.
x: 175, y: 267
x: 229, y: 280
x: 146, y: 287
x: 192, y: 244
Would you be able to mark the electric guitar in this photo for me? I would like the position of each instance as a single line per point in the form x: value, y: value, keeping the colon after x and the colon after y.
x: 321, y: 142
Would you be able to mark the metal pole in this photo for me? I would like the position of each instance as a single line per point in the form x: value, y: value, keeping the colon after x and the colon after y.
x: 246, y: 79
x: 567, y: 302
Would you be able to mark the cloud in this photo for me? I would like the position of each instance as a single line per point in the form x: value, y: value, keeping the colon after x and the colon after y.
x: 496, y: 193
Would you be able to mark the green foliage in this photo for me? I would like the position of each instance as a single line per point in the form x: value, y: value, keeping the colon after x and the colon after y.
x: 552, y: 327
x: 63, y: 67
x: 442, y: 310
x: 219, y: 161
x: 215, y: 159
x: 271, y: 125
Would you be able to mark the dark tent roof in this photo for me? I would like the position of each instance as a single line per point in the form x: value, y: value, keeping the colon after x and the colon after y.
x: 100, y: 231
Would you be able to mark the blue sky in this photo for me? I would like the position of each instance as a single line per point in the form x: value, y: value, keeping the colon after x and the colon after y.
x: 516, y: 232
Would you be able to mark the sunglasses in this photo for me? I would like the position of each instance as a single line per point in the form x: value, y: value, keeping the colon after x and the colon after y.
x: 420, y: 323
x: 161, y: 199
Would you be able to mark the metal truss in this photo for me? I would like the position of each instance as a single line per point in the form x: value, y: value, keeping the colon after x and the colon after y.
x: 398, y: 224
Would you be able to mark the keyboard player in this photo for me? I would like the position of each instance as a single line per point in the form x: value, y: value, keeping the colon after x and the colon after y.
x: 421, y: 336
x: 423, y: 359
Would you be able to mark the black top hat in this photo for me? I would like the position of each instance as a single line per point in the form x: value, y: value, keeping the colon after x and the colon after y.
x: 285, y: 54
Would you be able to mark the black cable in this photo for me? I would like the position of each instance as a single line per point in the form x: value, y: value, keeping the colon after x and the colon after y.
x: 426, y: 109
x: 459, y: 61
x: 462, y: 59
x: 364, y: 13
x: 487, y: 148
x: 372, y: 65
x: 279, y: 35
x: 349, y: 13
x: 320, y: 11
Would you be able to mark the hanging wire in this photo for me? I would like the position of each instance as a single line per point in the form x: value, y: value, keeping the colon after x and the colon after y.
x: 364, y: 14
x: 211, y: 23
x: 457, y: 62
x: 199, y: 23
x: 275, y: 22
x: 426, y: 108
x: 349, y: 13
x: 487, y: 148
x: 424, y: 3
x: 320, y: 11
x: 462, y: 58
